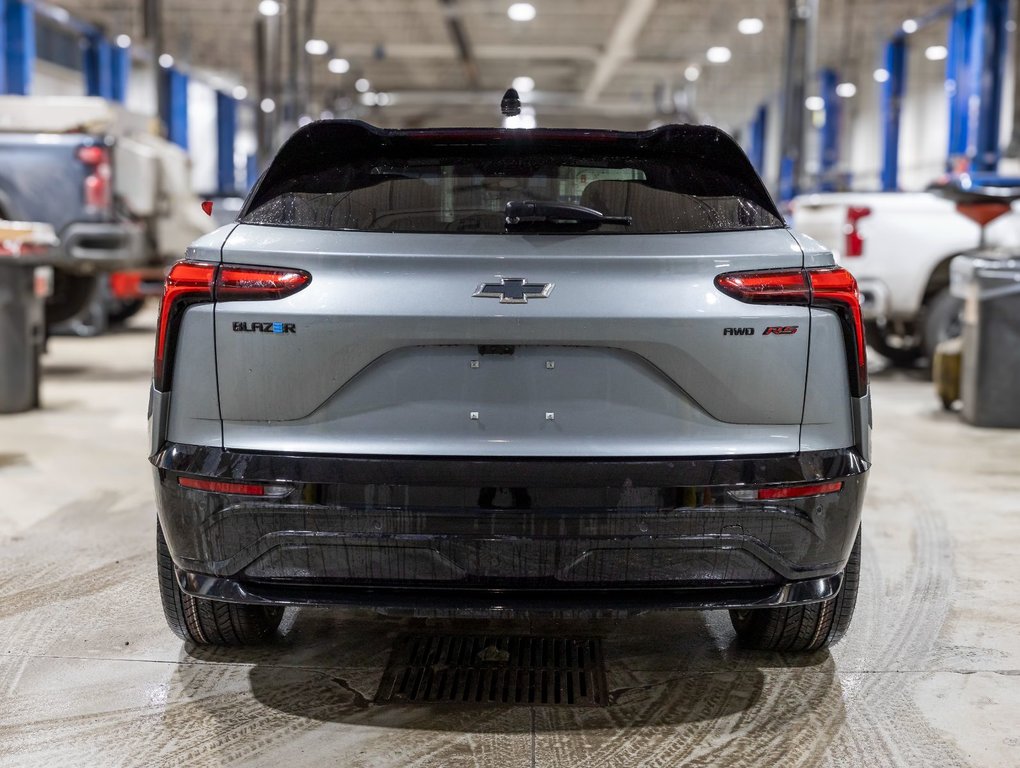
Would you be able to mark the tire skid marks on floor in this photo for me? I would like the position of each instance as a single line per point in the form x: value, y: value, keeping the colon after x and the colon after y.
x: 883, y: 722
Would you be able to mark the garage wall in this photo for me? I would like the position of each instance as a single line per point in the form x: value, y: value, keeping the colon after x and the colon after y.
x: 202, y: 136
x: 48, y: 79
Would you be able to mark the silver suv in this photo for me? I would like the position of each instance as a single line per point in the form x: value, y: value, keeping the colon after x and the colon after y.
x: 510, y: 370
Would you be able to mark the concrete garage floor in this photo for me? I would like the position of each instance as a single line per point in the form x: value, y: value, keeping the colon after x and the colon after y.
x: 91, y: 676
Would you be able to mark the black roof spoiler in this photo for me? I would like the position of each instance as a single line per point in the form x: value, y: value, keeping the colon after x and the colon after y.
x: 325, y: 143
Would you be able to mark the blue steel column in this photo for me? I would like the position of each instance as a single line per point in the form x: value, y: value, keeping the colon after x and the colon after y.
x: 96, y: 57
x: 19, y: 46
x: 975, y: 69
x: 251, y: 171
x: 120, y: 72
x: 958, y: 86
x: 226, y: 130
x: 829, y: 144
x: 175, y: 117
x: 987, y: 66
x: 758, y: 131
x: 892, y: 106
x: 3, y: 46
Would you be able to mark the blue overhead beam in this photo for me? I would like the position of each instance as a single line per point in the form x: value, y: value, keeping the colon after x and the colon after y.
x: 892, y: 107
x: 829, y: 138
x: 226, y: 130
x: 18, y: 46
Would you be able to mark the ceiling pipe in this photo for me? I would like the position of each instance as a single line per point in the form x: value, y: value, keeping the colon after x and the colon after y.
x: 356, y: 50
x: 459, y: 36
x: 620, y: 46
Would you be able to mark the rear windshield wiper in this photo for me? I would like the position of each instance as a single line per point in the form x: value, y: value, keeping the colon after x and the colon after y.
x: 535, y: 214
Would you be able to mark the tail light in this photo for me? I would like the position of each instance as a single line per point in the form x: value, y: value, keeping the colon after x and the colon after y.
x: 126, y: 285
x: 831, y: 288
x: 191, y: 282
x: 786, y: 491
x: 97, y: 192
x: 854, y: 245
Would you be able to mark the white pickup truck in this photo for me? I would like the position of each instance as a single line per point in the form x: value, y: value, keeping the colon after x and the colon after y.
x: 898, y: 245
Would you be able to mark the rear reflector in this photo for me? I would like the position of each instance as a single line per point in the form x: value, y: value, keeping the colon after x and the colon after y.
x: 239, y: 489
x: 218, y: 486
x: 831, y: 288
x: 192, y: 282
x: 786, y: 491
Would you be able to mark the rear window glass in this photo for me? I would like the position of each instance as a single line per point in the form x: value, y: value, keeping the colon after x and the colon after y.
x: 461, y: 181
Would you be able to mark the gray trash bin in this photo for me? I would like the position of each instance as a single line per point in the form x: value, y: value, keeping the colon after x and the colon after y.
x: 21, y: 339
x: 990, y: 386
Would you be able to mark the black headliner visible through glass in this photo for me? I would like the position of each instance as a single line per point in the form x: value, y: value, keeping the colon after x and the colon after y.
x: 349, y: 175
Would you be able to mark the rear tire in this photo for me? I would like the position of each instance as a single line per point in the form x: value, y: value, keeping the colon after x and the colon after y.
x: 71, y: 294
x: 883, y: 343
x: 119, y: 311
x: 209, y: 622
x: 802, y: 627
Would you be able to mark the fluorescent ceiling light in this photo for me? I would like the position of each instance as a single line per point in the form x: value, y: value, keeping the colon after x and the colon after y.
x: 881, y: 75
x: 523, y: 84
x: 719, y: 54
x: 910, y: 26
x: 317, y: 47
x: 269, y: 8
x: 339, y: 66
x: 123, y: 41
x: 521, y: 12
x: 361, y: 85
x: 692, y: 73
x: 846, y: 90
x: 750, y: 26
x: 935, y: 52
x: 814, y: 103
x: 240, y: 92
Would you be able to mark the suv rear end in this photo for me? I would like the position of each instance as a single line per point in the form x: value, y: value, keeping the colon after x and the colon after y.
x: 379, y: 389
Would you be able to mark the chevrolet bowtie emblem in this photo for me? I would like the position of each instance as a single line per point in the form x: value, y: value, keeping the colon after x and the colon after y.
x: 513, y: 290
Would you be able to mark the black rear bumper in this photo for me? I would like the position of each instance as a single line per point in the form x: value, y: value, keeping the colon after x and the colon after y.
x: 522, y: 534
x: 461, y: 601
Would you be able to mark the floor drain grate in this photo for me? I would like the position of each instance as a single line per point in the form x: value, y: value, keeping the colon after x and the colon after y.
x: 495, y: 669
